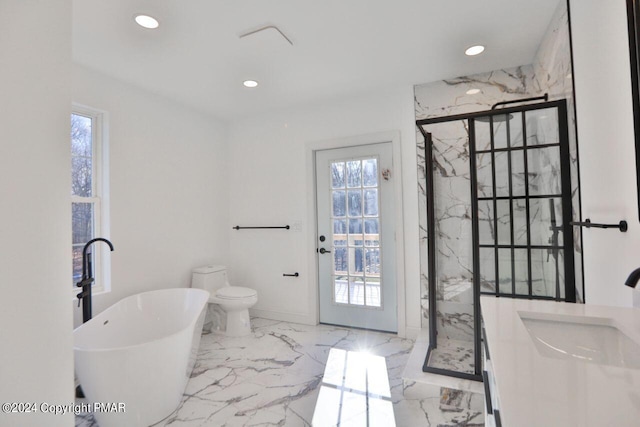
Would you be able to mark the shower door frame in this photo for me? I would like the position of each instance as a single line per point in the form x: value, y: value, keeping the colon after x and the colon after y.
x: 567, y: 229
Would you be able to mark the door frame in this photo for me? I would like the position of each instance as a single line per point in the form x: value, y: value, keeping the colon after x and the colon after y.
x: 312, y: 228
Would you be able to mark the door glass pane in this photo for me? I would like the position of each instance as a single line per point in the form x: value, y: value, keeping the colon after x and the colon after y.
x: 546, y: 218
x: 546, y: 267
x: 371, y: 202
x: 356, y: 290
x: 487, y: 270
x: 542, y: 127
x: 452, y: 237
x: 355, y: 202
x: 518, y: 186
x: 502, y: 174
x: 544, y: 171
x: 356, y: 261
x: 340, y: 290
x: 484, y: 175
x: 370, y: 173
x: 483, y: 134
x: 515, y: 130
x: 485, y: 222
x: 340, y: 260
x: 340, y: 232
x: 504, y: 270
x: 355, y: 226
x: 355, y: 232
x: 371, y: 237
x: 520, y: 221
x: 499, y: 131
x: 373, y: 292
x: 354, y: 173
x: 338, y: 202
x: 337, y: 175
x: 521, y: 267
x: 372, y: 259
x: 504, y: 222
x: 560, y: 271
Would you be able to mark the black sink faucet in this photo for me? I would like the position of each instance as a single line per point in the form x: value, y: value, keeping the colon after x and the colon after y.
x: 633, y: 278
x: 87, y: 279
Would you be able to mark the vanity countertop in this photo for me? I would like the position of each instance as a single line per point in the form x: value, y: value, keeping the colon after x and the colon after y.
x: 536, y: 390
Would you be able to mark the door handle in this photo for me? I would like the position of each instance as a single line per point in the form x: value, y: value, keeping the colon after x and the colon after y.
x: 324, y: 251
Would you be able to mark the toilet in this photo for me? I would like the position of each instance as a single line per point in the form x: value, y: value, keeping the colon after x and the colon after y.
x: 234, y: 301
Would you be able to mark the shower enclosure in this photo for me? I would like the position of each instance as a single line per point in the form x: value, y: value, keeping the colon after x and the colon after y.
x: 501, y: 227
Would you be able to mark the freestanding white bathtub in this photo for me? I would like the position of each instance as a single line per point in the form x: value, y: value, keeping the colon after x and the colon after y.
x: 140, y: 352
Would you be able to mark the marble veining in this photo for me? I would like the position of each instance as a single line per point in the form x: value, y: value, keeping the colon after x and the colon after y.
x: 453, y: 355
x: 272, y: 378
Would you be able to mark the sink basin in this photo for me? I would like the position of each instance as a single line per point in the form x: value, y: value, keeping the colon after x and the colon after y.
x: 589, y: 339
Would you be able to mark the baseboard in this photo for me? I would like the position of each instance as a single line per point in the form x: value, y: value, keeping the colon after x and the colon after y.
x: 412, y: 332
x: 283, y: 316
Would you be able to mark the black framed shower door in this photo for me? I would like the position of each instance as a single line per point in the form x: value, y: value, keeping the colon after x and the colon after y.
x: 520, y: 213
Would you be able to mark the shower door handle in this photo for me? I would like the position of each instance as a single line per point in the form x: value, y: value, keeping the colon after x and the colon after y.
x: 324, y: 251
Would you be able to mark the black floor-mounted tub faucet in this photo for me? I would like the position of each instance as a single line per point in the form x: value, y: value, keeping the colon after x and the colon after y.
x: 633, y: 278
x: 87, y: 279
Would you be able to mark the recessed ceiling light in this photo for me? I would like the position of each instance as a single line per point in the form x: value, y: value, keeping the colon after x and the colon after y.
x: 474, y: 50
x: 250, y: 83
x: 473, y: 91
x: 147, y: 21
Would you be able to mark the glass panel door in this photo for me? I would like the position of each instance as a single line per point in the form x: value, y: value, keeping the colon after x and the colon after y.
x: 521, y: 172
x: 356, y: 245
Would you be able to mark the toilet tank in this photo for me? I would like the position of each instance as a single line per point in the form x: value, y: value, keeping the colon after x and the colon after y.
x: 210, y: 278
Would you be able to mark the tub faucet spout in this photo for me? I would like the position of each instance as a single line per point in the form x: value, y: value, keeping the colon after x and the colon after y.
x: 633, y: 278
x: 87, y: 278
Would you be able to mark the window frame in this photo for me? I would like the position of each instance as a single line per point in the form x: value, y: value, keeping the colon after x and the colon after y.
x: 100, y: 196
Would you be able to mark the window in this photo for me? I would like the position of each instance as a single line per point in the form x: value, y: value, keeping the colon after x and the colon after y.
x: 88, y: 171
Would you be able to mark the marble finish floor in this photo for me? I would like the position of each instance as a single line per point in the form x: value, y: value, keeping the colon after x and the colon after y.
x: 273, y: 378
x: 454, y: 355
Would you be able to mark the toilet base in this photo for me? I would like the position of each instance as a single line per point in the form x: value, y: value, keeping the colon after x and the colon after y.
x: 238, y: 323
x: 215, y: 320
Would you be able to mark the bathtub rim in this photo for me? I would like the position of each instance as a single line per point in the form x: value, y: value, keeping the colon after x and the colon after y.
x: 138, y: 344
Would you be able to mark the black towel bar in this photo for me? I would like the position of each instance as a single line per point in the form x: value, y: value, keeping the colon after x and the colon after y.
x: 622, y: 225
x: 237, y: 227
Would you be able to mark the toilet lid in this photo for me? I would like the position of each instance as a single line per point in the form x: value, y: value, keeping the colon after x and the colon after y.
x: 235, y: 292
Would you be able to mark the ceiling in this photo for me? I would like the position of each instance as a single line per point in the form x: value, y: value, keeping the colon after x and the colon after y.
x: 340, y: 47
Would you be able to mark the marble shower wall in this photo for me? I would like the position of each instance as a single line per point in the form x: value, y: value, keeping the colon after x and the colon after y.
x: 452, y: 187
x: 549, y: 73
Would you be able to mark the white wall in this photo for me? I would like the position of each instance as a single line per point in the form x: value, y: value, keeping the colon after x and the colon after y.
x: 168, y: 167
x: 268, y: 186
x: 607, y: 153
x: 36, y: 355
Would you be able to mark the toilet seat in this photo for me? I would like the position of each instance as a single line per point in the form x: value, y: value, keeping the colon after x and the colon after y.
x: 235, y: 292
